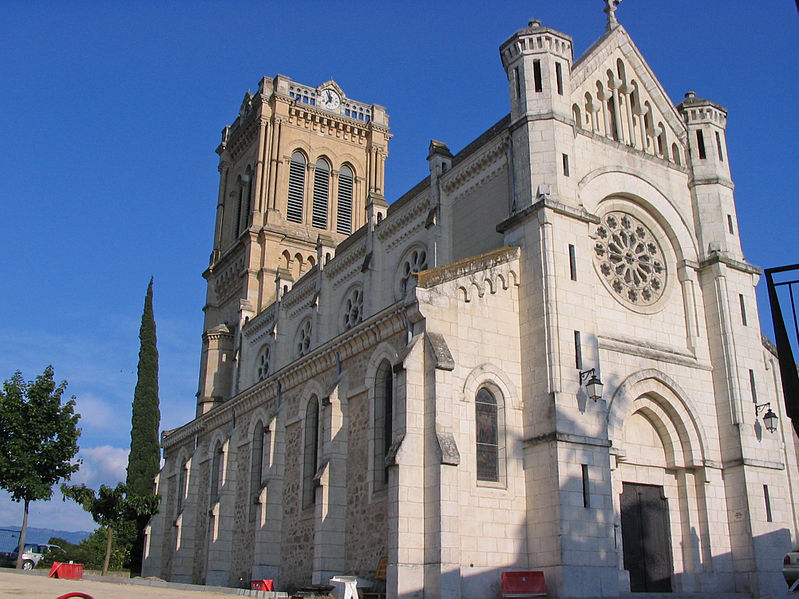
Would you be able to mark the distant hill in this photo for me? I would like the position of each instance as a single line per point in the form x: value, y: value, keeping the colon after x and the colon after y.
x: 9, y: 536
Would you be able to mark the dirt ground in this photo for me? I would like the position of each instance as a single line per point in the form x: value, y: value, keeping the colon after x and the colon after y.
x: 36, y: 585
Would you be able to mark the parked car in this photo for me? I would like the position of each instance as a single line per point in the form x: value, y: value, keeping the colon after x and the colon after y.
x: 30, y: 557
x: 790, y: 566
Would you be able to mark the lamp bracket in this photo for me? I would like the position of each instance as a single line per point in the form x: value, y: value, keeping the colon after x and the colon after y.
x: 762, y: 406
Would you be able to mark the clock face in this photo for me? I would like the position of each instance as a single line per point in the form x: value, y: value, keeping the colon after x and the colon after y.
x: 329, y: 99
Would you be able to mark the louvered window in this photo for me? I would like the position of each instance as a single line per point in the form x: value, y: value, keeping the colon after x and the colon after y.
x: 344, y: 212
x: 321, y: 194
x: 296, y: 188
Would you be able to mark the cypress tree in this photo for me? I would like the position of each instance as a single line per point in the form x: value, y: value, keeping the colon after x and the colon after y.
x: 144, y: 459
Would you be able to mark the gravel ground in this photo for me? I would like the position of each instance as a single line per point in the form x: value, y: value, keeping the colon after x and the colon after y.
x: 37, y: 585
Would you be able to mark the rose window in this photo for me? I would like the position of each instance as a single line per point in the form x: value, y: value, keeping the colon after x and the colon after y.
x: 263, y: 363
x: 304, y: 338
x: 353, y: 309
x: 415, y: 262
x: 630, y: 259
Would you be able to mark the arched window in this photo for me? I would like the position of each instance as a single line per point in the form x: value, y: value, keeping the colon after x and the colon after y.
x: 216, y: 473
x: 578, y: 121
x: 296, y: 188
x: 675, y: 154
x: 383, y: 421
x: 310, y: 452
x: 344, y: 210
x: 487, y: 436
x: 321, y: 194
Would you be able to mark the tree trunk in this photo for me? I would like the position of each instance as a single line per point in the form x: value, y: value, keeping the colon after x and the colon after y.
x: 110, y: 531
x: 22, y: 535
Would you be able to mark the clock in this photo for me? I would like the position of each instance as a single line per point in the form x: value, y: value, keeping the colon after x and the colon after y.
x: 329, y: 99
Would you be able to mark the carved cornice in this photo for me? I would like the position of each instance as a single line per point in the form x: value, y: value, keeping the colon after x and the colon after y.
x: 722, y: 258
x: 329, y: 123
x: 342, y: 261
x: 441, y: 274
x: 580, y: 213
x: 261, y: 325
x: 401, y: 224
x: 477, y: 170
x: 301, y: 293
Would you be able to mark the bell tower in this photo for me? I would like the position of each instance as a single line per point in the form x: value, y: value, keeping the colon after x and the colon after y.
x: 298, y: 163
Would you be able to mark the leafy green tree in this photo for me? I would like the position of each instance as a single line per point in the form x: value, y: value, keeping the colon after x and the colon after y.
x: 38, y: 440
x: 144, y: 459
x: 111, y: 508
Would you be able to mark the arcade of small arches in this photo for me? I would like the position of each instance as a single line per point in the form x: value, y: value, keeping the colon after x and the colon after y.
x: 298, y: 264
x: 613, y: 108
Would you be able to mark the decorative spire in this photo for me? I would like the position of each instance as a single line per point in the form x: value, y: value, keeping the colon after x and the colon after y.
x: 610, y: 10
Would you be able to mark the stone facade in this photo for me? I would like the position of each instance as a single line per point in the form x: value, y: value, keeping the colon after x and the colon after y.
x: 415, y: 390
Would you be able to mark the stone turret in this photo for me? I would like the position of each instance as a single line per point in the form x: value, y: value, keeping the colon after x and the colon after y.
x: 537, y: 61
x: 711, y: 183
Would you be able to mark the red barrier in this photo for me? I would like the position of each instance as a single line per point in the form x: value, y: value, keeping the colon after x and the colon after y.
x: 81, y: 595
x: 62, y: 570
x: 523, y: 584
x: 263, y: 585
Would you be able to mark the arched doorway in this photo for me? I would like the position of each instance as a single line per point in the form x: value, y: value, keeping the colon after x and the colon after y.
x: 644, y: 507
x: 659, y: 483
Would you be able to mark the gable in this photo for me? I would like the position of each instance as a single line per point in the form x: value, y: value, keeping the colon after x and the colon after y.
x: 615, y: 94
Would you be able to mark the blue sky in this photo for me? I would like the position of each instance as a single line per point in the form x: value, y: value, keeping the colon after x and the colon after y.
x: 110, y: 114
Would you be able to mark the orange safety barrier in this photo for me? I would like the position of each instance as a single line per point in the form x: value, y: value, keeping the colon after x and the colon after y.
x: 62, y: 570
x: 520, y: 585
x: 263, y: 585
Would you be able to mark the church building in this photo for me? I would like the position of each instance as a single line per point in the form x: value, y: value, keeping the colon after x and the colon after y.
x: 544, y: 356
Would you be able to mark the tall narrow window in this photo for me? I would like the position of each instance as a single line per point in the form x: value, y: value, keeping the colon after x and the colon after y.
x: 700, y: 142
x: 310, y: 452
x: 586, y: 488
x: 572, y: 263
x: 248, y: 202
x: 518, y: 82
x: 487, y: 434
x: 537, y: 76
x: 239, y: 208
x: 742, y: 302
x: 768, y: 503
x: 216, y: 473
x: 578, y: 351
x: 718, y: 146
x: 752, y: 386
x: 256, y: 468
x: 182, y: 484
x: 559, y: 77
x: 565, y: 158
x: 296, y: 188
x: 730, y: 227
x: 321, y: 194
x: 383, y: 421
x: 344, y: 203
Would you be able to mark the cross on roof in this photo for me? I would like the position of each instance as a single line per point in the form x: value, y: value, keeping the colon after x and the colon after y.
x: 610, y: 10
